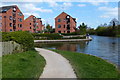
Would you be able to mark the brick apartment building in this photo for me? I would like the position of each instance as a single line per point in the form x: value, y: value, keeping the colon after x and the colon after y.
x: 11, y: 19
x: 33, y: 24
x: 64, y: 23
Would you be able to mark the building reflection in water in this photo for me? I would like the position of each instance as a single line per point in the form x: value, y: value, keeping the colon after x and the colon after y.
x: 68, y: 47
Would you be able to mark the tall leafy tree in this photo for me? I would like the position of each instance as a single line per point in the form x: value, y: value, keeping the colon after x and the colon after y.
x: 83, y: 28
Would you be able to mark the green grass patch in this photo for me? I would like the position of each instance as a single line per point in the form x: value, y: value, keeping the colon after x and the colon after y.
x: 87, y: 66
x: 22, y: 65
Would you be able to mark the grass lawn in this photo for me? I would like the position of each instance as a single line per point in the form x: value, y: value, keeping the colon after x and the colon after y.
x: 22, y: 65
x: 87, y: 66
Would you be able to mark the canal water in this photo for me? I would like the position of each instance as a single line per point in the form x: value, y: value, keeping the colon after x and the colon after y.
x: 107, y: 48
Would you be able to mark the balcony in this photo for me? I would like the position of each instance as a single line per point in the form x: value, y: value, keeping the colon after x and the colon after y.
x: 68, y: 27
x: 14, y: 26
x: 14, y: 20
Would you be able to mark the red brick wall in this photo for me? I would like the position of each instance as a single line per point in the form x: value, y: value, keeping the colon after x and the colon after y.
x: 6, y: 20
x: 18, y: 22
x: 63, y: 22
x: 29, y: 24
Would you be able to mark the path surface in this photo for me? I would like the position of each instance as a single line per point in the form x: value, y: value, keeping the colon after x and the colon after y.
x: 64, y: 40
x: 56, y: 65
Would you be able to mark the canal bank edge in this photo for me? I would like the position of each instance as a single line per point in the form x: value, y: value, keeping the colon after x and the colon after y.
x: 106, y: 68
x: 64, y: 40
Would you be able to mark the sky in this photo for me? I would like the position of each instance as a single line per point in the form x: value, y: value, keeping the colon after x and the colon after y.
x: 91, y: 13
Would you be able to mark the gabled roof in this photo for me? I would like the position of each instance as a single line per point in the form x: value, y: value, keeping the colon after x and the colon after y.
x: 61, y: 14
x: 4, y: 9
x: 74, y: 19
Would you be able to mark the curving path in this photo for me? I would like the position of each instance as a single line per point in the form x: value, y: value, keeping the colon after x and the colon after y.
x: 56, y: 65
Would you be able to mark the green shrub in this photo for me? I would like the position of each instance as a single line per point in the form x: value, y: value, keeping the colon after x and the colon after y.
x: 47, y: 36
x: 23, y: 38
x: 73, y: 33
x: 108, y: 31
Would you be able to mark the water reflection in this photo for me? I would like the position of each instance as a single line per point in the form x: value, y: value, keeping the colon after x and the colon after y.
x: 104, y: 47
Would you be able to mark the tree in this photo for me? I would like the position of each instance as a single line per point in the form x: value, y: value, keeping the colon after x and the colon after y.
x: 49, y: 29
x: 83, y: 28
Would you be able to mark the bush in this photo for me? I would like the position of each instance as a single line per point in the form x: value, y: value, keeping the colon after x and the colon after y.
x: 106, y: 31
x: 47, y: 36
x: 73, y: 33
x: 23, y: 38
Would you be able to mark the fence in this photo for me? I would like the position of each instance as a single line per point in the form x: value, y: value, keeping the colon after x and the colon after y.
x: 10, y: 47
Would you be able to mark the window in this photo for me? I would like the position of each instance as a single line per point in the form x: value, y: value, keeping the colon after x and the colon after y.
x: 19, y: 30
x: 20, y: 14
x: 20, y: 20
x: 10, y: 17
x: 10, y: 30
x: 4, y: 10
x: 0, y: 24
x: 64, y: 31
x: 20, y: 25
x: 0, y: 17
x: 10, y: 24
x: 64, y: 20
x: 36, y: 23
x: 59, y: 31
x: 59, y: 20
x: 30, y: 23
x: 59, y: 26
x: 68, y: 31
x: 30, y: 28
x: 4, y: 16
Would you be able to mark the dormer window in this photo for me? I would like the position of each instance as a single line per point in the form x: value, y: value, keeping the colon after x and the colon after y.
x: 4, y: 10
x: 68, y: 17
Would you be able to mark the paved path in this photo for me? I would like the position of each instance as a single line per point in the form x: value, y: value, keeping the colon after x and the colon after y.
x: 56, y: 65
x: 64, y: 40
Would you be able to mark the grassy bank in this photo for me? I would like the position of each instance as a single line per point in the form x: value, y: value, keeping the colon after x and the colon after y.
x: 87, y: 66
x: 28, y: 64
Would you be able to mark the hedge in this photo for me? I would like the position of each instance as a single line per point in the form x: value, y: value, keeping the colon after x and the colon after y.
x: 47, y: 36
x: 21, y: 37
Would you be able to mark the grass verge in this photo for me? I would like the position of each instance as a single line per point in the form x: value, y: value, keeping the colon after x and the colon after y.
x: 28, y: 64
x: 87, y: 66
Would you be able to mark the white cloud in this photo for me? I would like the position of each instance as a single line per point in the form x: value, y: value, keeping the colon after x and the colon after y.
x: 53, y: 4
x: 63, y: 6
x: 34, y: 8
x: 28, y: 14
x: 29, y: 9
x: 67, y: 4
x: 81, y: 5
x: 109, y: 12
x: 98, y: 2
x: 59, y: 0
x: 105, y: 16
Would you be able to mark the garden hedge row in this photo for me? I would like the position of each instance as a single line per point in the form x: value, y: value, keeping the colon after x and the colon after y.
x: 21, y: 37
x: 47, y: 36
